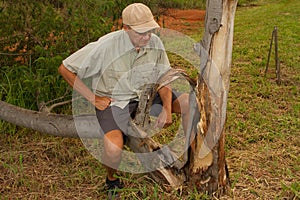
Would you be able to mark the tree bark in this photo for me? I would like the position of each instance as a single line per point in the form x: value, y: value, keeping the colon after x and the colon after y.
x: 215, y: 50
x: 204, y: 166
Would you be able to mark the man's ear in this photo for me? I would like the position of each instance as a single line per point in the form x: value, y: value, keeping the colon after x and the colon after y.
x: 126, y: 27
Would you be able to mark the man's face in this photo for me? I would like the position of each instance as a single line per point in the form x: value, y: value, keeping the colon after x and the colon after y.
x: 138, y: 39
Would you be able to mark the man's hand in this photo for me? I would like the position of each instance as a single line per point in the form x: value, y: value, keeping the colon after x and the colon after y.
x: 102, y: 103
x: 164, y: 119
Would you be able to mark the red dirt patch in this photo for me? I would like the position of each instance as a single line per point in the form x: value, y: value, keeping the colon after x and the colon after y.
x: 185, y: 21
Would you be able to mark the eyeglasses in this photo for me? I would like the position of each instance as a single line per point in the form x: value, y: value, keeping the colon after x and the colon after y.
x: 143, y: 34
x: 148, y: 33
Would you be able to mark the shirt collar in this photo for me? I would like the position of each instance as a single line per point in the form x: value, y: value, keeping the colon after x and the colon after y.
x: 128, y: 44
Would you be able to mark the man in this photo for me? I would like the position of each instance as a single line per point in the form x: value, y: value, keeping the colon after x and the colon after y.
x: 121, y: 63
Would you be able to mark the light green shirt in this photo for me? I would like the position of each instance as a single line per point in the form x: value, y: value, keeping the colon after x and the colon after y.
x: 117, y: 69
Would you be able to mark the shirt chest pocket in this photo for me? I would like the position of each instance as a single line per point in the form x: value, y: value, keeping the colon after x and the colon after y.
x: 142, y: 75
x: 116, y: 77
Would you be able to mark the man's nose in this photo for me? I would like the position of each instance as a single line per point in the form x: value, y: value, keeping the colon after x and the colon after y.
x: 146, y: 36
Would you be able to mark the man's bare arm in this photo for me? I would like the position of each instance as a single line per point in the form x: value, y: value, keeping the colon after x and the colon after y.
x: 165, y: 117
x: 72, y: 79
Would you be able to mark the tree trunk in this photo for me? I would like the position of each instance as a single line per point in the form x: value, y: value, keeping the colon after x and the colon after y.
x: 215, y: 50
x: 204, y: 166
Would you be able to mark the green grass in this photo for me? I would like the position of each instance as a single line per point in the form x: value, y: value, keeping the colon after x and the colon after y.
x: 262, y: 141
x: 263, y: 117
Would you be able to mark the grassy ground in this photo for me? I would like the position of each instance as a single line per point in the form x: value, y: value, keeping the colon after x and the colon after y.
x: 263, y: 144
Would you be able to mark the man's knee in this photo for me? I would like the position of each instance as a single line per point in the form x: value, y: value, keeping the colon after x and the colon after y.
x: 113, y: 142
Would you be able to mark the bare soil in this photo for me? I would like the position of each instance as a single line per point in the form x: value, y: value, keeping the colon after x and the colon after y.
x: 186, y: 21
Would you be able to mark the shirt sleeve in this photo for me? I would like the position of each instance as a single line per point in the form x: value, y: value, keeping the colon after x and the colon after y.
x: 85, y: 62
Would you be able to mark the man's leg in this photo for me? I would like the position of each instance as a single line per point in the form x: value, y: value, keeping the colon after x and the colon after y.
x: 111, y: 158
x: 114, y: 122
x: 113, y: 145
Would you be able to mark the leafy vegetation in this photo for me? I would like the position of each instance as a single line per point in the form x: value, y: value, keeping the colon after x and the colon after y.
x: 263, y: 117
x: 36, y: 39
